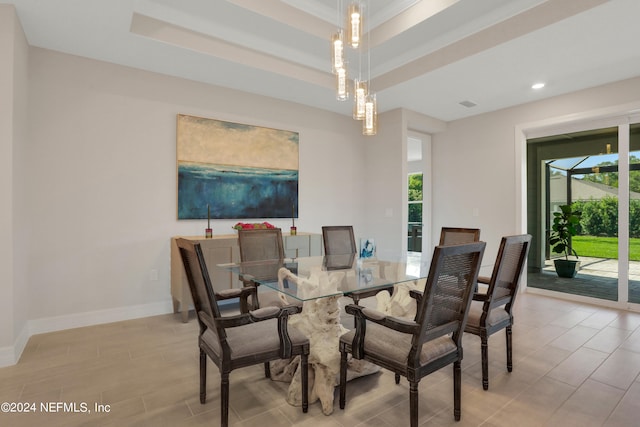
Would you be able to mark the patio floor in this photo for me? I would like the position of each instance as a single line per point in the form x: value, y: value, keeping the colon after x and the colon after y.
x: 597, y: 278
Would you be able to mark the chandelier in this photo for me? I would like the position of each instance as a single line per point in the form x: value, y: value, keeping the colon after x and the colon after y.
x: 349, y: 38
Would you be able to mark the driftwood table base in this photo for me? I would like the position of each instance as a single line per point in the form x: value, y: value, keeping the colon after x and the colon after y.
x: 320, y: 322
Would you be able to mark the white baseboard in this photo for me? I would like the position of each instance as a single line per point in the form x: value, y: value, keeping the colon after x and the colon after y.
x: 7, y: 356
x: 10, y: 355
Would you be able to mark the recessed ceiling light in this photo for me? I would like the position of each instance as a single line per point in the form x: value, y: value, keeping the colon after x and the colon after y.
x: 537, y: 86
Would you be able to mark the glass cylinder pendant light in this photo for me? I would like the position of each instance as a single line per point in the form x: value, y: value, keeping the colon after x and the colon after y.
x: 370, y: 122
x: 365, y: 105
x: 342, y: 85
x: 354, y: 24
x: 337, y: 52
x: 359, y: 97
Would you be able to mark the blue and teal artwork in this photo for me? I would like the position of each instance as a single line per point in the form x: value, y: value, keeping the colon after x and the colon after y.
x: 240, y: 171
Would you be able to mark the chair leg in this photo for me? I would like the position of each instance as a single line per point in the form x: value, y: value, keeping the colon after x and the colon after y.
x: 484, y: 347
x: 343, y: 378
x: 254, y: 303
x: 356, y: 300
x: 203, y: 376
x: 457, y: 389
x: 509, y: 334
x: 304, y: 365
x: 267, y: 370
x: 413, y: 403
x: 224, y: 399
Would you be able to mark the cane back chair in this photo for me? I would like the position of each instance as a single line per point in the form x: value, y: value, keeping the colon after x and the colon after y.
x: 492, y: 311
x: 433, y: 340
x: 238, y: 341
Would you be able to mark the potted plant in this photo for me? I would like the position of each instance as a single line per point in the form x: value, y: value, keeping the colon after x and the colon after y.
x: 565, y: 225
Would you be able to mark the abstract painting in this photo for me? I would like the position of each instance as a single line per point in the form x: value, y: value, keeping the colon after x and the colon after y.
x: 238, y: 170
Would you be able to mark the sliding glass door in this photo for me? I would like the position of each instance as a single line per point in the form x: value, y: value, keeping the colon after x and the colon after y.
x: 597, y: 172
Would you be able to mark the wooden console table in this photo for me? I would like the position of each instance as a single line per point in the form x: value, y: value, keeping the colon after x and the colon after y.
x: 224, y: 249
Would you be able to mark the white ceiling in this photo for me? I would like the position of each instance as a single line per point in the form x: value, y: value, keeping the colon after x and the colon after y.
x: 426, y: 55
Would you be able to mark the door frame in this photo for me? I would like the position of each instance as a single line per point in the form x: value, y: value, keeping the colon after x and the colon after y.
x: 620, y: 116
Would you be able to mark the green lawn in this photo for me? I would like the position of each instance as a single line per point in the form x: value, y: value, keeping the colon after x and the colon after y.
x: 604, y: 247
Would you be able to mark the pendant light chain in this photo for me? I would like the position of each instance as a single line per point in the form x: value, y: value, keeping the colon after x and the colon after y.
x: 370, y: 121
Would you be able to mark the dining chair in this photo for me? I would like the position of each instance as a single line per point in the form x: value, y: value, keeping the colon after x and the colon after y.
x: 237, y: 341
x: 457, y: 236
x: 433, y: 340
x: 492, y: 311
x: 263, y: 244
x: 338, y: 240
x: 260, y: 244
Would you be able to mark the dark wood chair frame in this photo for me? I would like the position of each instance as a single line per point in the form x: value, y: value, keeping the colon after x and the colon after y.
x: 465, y: 235
x: 326, y: 236
x: 328, y: 230
x: 273, y: 235
x: 501, y: 292
x: 205, y: 302
x: 431, y: 322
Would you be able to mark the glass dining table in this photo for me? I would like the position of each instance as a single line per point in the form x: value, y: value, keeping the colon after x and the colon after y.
x: 348, y: 274
x: 319, y: 282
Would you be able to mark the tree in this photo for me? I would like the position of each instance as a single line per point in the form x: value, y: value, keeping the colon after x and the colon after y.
x: 611, y: 178
x: 415, y: 195
x: 599, y: 217
x: 415, y: 187
x: 605, y: 178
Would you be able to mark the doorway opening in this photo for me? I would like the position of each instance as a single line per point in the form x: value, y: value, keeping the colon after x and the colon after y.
x: 414, y: 221
x: 418, y: 194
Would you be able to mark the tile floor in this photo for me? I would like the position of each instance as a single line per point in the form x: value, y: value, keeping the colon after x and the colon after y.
x: 574, y: 365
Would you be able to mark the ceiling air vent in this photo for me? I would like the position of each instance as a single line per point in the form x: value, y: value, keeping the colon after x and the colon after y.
x: 468, y: 104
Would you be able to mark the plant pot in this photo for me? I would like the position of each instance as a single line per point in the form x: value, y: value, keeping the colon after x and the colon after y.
x: 566, y: 268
